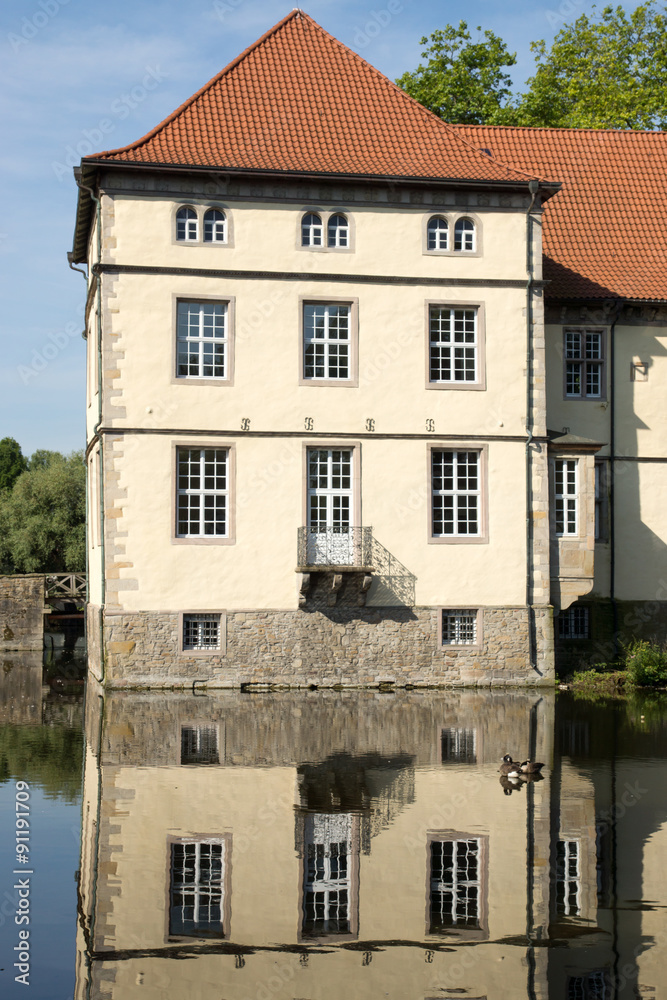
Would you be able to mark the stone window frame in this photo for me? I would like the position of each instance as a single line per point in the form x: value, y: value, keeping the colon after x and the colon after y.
x: 195, y: 726
x: 325, y: 215
x: 479, y: 385
x: 330, y: 444
x: 353, y: 899
x: 461, y: 647
x: 601, y: 364
x: 480, y: 933
x: 200, y: 208
x: 230, y: 302
x: 230, y: 537
x: 352, y: 381
x: 220, y: 650
x: 576, y: 496
x: 451, y: 218
x: 483, y: 450
x: 200, y: 838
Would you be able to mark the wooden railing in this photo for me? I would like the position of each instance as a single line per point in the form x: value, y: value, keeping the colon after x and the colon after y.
x: 72, y: 585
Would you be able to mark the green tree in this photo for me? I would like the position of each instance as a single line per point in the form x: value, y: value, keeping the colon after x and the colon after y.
x: 42, y: 519
x: 463, y: 80
x: 608, y: 70
x: 12, y: 462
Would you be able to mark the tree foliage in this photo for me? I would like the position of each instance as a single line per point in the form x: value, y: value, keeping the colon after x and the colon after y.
x: 606, y: 70
x: 603, y: 71
x: 464, y: 80
x: 42, y: 518
x: 12, y: 462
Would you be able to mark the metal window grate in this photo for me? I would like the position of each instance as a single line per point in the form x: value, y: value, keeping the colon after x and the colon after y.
x: 199, y: 745
x: 201, y: 631
x: 459, y: 746
x: 574, y: 623
x: 459, y: 628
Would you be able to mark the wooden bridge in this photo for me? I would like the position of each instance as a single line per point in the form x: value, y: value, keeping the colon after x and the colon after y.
x: 65, y: 586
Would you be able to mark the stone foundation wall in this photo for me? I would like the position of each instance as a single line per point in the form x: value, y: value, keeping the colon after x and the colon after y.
x: 316, y: 647
x: 634, y: 620
x: 22, y: 612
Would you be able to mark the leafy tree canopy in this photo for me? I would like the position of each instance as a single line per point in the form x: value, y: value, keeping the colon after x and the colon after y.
x: 12, y: 462
x: 606, y: 70
x: 42, y: 519
x: 463, y: 80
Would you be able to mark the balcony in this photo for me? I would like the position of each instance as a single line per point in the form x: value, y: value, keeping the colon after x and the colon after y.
x: 336, y: 551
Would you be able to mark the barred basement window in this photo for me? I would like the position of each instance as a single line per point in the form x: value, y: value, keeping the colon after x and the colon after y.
x: 574, y: 623
x: 589, y: 986
x: 566, y: 496
x: 453, y: 348
x: 584, y: 363
x: 202, y: 500
x: 197, y: 888
x: 568, y: 878
x: 201, y: 631
x: 459, y: 628
x: 455, y: 884
x: 201, y: 340
x: 459, y: 746
x: 199, y: 745
x: 456, y: 493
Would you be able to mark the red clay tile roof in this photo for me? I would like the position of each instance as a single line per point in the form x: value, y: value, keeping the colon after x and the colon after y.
x: 605, y: 232
x: 299, y: 100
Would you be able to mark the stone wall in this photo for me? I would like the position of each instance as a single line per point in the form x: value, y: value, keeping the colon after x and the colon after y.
x: 326, y: 647
x: 22, y: 612
x: 634, y: 620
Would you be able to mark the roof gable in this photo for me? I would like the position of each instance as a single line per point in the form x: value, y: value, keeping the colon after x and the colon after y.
x: 298, y: 100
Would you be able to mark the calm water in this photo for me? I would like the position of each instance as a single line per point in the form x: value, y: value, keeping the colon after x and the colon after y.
x: 318, y: 845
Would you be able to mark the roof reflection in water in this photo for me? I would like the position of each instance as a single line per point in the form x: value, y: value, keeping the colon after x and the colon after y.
x: 346, y: 843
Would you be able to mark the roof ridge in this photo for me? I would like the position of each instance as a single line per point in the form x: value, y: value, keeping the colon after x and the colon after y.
x: 563, y: 129
x: 293, y: 14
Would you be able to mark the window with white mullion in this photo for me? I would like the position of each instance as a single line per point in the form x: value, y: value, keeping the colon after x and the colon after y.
x: 584, y: 363
x: 456, y: 494
x: 568, y: 878
x: 202, y: 339
x: 215, y: 226
x: 453, y: 344
x: 197, y: 888
x: 455, y: 884
x: 202, y: 492
x: 327, y: 344
x: 566, y: 495
x: 187, y: 225
x: 329, y: 488
x: 464, y: 235
x: 338, y: 231
x: 459, y: 628
x: 327, y: 877
x: 437, y: 233
x: 312, y: 230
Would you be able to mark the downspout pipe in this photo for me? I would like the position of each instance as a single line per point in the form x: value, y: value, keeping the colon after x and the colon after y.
x: 612, y: 478
x: 533, y: 188
x: 98, y: 314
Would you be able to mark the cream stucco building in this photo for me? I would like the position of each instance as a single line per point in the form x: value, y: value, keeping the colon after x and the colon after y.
x: 329, y: 440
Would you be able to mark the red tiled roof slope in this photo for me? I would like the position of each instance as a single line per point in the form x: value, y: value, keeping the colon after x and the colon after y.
x: 299, y: 100
x: 605, y: 232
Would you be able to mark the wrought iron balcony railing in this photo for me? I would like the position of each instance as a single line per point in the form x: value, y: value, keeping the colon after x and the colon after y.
x: 335, y: 547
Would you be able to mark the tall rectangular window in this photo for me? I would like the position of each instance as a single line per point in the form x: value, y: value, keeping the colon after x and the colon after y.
x: 568, y: 878
x: 455, y: 884
x: 584, y: 363
x: 197, y: 887
x: 566, y: 496
x: 202, y: 340
x: 202, y: 493
x: 327, y: 341
x: 453, y: 344
x: 327, y: 878
x: 455, y: 493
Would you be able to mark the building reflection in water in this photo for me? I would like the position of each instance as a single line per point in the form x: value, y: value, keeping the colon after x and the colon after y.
x: 359, y: 844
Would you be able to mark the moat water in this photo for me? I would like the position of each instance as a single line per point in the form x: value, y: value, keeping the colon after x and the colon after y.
x: 312, y: 845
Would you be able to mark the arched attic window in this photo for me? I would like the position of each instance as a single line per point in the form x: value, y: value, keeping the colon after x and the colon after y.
x: 311, y: 230
x: 187, y: 227
x: 338, y: 231
x: 464, y: 235
x: 215, y: 226
x: 437, y: 233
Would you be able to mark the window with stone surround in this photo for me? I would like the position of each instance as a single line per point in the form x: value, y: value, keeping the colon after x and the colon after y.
x: 453, y: 344
x: 437, y: 233
x: 464, y: 236
x: 312, y: 230
x: 329, y: 342
x: 338, y: 231
x: 566, y: 496
x: 584, y: 359
x: 215, y: 226
x: 455, y: 884
x: 574, y: 623
x: 201, y: 631
x: 200, y: 225
x: 458, y: 746
x: 187, y: 225
x: 202, y: 493
x: 199, y: 744
x: 460, y: 627
x: 456, y: 494
x: 202, y: 340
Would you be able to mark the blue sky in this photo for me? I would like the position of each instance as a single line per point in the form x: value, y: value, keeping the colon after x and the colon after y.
x: 68, y: 65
